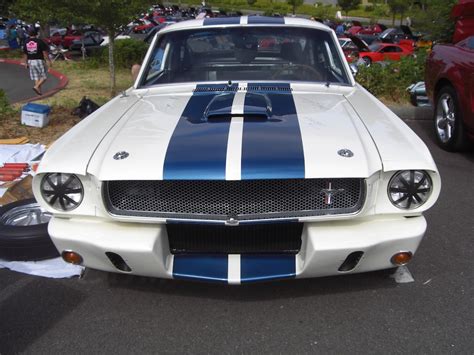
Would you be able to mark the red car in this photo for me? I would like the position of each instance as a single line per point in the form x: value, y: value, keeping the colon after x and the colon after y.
x: 357, y: 28
x: 373, y: 29
x: 144, y: 26
x: 66, y: 39
x: 449, y: 79
x: 378, y: 52
x: 349, y: 48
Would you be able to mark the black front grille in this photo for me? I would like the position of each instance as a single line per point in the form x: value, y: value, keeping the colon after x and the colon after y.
x: 244, y: 239
x: 241, y: 200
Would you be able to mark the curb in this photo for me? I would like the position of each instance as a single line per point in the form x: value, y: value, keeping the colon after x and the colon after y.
x: 408, y: 112
x: 63, y: 81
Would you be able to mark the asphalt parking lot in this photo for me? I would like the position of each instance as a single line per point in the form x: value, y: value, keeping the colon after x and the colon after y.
x: 366, y: 313
x: 17, y: 83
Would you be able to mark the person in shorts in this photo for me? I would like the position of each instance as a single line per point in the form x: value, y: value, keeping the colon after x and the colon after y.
x: 36, y: 51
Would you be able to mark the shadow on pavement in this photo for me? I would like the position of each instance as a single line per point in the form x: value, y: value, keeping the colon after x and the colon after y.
x: 248, y: 292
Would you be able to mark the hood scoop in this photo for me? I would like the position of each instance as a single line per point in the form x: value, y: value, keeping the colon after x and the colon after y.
x: 256, y: 106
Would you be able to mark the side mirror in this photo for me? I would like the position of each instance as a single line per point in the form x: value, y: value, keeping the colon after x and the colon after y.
x: 135, y: 70
x: 354, y: 69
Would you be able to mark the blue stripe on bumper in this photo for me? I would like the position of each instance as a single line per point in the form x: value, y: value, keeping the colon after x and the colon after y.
x: 201, y: 267
x: 255, y: 268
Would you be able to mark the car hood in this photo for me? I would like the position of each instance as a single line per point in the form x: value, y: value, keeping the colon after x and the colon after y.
x: 185, y: 133
x: 361, y: 45
x: 189, y: 132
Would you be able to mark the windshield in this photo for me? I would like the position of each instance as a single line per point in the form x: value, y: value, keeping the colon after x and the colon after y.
x: 245, y: 54
x: 375, y: 47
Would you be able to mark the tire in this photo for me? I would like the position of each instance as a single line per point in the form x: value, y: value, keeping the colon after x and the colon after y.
x: 448, y: 122
x: 21, y: 238
x: 368, y: 61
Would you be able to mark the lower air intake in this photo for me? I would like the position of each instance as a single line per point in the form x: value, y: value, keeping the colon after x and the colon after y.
x: 244, y: 239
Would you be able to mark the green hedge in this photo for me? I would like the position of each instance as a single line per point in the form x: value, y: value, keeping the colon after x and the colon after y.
x: 390, y: 82
x: 126, y: 52
x: 5, y: 108
x: 129, y: 52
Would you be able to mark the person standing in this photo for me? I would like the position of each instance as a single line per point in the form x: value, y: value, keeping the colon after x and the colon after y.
x: 12, y: 37
x: 21, y: 35
x: 35, y: 52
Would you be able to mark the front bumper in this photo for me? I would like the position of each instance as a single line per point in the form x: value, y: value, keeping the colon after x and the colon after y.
x: 325, y: 247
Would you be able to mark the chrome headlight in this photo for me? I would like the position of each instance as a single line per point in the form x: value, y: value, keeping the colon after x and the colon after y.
x: 409, y: 189
x: 63, y: 192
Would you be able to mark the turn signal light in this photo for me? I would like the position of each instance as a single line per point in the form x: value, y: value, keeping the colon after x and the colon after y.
x: 71, y: 257
x: 401, y: 258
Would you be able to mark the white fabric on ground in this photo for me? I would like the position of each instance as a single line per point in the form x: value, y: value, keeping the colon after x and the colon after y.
x: 55, y: 268
x: 19, y: 153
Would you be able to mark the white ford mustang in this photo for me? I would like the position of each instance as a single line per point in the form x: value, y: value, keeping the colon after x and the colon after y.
x: 244, y: 152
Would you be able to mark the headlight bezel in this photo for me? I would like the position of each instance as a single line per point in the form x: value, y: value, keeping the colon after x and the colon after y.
x: 65, y: 192
x: 416, y: 190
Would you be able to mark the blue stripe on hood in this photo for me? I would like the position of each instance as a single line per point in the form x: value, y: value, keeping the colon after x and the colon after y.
x: 272, y: 148
x: 197, y: 149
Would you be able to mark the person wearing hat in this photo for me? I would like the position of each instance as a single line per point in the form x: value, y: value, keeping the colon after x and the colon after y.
x: 36, y: 51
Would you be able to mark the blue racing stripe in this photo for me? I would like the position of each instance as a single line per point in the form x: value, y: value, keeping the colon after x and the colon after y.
x: 201, y: 267
x: 215, y: 21
x: 266, y: 20
x: 272, y: 148
x: 255, y: 268
x: 197, y: 149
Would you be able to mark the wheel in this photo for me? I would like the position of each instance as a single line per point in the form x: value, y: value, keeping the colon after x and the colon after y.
x: 449, y: 126
x: 24, y: 232
x: 368, y: 61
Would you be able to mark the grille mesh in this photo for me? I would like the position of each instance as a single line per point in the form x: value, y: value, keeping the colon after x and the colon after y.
x: 242, y: 200
x: 258, y: 238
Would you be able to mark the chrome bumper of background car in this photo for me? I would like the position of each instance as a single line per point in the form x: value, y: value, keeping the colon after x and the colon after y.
x: 369, y: 243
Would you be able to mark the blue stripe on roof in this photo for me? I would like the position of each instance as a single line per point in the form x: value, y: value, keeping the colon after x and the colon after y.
x: 201, y: 267
x: 197, y: 149
x: 266, y: 20
x: 215, y: 21
x: 272, y: 148
x: 266, y: 267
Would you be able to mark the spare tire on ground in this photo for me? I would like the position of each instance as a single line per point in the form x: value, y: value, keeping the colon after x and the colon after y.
x: 24, y: 232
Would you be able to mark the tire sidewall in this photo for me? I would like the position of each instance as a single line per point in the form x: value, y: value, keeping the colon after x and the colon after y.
x: 21, y: 243
x: 19, y: 232
x: 458, y: 140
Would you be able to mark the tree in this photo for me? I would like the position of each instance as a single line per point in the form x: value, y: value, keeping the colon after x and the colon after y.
x: 348, y: 5
x: 434, y: 19
x: 109, y: 15
x: 4, y: 6
x: 251, y: 2
x: 397, y: 6
x: 294, y: 4
x: 43, y: 11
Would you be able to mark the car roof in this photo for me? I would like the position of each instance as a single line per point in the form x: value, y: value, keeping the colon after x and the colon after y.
x: 243, y: 21
x: 389, y: 44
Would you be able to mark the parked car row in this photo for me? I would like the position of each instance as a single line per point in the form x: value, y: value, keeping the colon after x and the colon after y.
x: 354, y: 47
